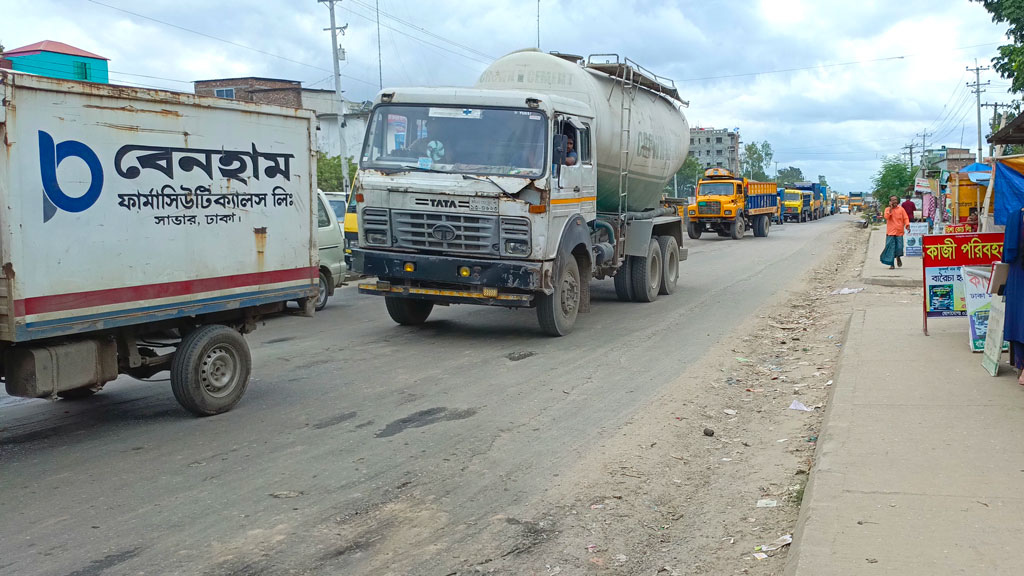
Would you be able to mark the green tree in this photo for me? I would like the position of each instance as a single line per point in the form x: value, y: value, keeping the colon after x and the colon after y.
x: 329, y: 172
x: 686, y: 178
x: 822, y: 180
x: 757, y: 157
x: 790, y: 175
x: 892, y: 179
x: 1010, y: 61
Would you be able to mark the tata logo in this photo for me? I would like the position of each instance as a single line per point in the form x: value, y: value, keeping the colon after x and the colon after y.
x: 443, y: 232
x: 51, y: 154
x: 443, y: 203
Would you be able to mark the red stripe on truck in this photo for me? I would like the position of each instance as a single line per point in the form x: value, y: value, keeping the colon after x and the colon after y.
x: 78, y: 300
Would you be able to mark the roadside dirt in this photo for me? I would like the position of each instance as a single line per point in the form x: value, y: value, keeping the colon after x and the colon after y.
x: 662, y: 497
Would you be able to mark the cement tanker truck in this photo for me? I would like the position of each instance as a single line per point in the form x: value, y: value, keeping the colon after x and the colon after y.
x: 516, y: 192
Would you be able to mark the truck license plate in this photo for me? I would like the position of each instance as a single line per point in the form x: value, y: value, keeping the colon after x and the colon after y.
x: 483, y: 204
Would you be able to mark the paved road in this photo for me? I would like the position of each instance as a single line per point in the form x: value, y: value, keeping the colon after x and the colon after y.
x: 346, y: 413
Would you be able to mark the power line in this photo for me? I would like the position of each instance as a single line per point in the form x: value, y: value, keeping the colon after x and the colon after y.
x: 425, y: 31
x: 212, y: 37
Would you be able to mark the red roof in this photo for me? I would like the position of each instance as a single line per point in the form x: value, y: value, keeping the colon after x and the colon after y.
x: 52, y: 46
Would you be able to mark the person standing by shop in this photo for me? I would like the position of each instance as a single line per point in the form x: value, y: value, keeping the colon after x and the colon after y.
x: 896, y: 224
x: 909, y: 207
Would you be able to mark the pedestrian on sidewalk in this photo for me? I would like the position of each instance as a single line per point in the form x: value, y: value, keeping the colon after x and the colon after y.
x: 896, y: 223
x: 909, y: 207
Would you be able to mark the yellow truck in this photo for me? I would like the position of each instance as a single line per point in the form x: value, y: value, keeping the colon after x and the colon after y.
x: 728, y: 204
x: 796, y: 205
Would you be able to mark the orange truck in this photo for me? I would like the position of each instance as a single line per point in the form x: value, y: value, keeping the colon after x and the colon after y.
x: 728, y: 205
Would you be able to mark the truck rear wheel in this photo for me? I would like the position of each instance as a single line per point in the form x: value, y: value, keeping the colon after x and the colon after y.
x: 210, y: 370
x: 556, y: 312
x: 646, y: 274
x: 694, y: 230
x: 738, y: 228
x: 669, y: 264
x: 408, y: 312
x: 761, y: 226
x: 624, y: 280
x: 323, y: 292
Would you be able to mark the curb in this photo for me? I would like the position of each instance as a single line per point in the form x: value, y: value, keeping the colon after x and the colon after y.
x: 892, y: 282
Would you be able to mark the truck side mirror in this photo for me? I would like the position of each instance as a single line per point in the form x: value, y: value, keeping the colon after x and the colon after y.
x: 561, y: 144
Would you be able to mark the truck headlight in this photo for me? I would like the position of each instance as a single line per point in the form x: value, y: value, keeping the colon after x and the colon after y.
x: 377, y: 238
x: 693, y: 212
x: 517, y: 247
x: 728, y: 212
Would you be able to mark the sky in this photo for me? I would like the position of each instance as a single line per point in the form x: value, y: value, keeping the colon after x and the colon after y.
x: 833, y: 86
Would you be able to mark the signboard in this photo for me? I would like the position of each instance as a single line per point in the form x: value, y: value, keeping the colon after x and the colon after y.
x: 994, y: 337
x: 944, y: 255
x: 958, y: 228
x: 912, y: 241
x: 979, y: 303
x: 921, y: 186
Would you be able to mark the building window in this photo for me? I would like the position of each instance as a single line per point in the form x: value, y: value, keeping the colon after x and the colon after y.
x: 81, y: 70
x: 718, y: 140
x: 707, y: 140
x: 691, y: 141
x: 718, y: 152
x: 224, y: 92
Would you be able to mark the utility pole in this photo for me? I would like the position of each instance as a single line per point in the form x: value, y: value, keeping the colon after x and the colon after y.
x: 977, y: 92
x: 538, y: 24
x: 924, y: 145
x: 380, y: 65
x: 995, y: 106
x: 910, y: 147
x: 338, y: 54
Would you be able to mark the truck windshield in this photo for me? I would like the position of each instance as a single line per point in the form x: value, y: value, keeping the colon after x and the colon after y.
x: 490, y: 141
x: 793, y: 196
x: 716, y: 189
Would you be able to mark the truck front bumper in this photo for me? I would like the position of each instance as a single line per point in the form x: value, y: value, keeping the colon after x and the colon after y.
x: 430, y: 277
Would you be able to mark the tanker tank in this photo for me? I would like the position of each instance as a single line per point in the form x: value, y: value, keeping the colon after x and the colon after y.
x: 659, y: 133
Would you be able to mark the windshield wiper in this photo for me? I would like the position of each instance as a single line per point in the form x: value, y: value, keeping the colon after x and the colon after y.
x: 418, y: 167
x: 492, y: 181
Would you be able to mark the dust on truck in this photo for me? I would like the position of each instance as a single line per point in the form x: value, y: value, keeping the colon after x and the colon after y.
x: 468, y: 195
x: 143, y: 231
x: 729, y: 205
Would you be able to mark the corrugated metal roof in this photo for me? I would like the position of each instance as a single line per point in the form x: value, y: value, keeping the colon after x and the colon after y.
x: 52, y: 46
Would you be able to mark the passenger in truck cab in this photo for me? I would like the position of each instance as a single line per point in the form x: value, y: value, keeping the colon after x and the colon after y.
x: 570, y: 152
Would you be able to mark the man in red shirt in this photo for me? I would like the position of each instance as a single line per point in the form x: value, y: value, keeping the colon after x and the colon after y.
x: 909, y: 207
x: 896, y: 222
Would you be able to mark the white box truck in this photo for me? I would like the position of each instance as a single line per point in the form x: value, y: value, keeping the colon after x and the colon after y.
x: 142, y: 231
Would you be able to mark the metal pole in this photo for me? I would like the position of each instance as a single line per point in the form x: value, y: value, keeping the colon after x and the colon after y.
x: 538, y: 24
x: 338, y: 95
x: 380, y: 66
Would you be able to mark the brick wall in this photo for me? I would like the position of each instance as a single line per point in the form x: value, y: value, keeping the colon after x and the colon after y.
x: 262, y: 90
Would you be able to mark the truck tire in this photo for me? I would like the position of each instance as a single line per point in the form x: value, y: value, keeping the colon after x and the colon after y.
x: 556, y: 312
x: 738, y: 228
x: 408, y: 312
x: 761, y: 226
x: 624, y: 280
x: 323, y: 292
x: 210, y: 370
x: 646, y: 274
x: 694, y: 231
x: 669, y: 264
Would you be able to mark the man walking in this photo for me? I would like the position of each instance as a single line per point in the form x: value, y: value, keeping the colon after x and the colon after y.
x: 909, y: 207
x: 896, y: 223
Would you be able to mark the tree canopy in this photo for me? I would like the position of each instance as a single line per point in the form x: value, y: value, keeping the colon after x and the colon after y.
x: 757, y: 157
x: 1010, y: 61
x: 892, y: 179
x: 329, y: 172
x: 790, y: 175
x: 686, y: 177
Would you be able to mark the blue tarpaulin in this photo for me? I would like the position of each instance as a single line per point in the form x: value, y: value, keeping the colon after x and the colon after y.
x: 1008, y: 189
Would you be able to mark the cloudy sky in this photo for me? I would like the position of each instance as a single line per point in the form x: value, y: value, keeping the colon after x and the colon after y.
x: 833, y: 85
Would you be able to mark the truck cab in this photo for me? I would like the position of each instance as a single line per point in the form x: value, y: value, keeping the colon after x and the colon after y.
x: 796, y: 205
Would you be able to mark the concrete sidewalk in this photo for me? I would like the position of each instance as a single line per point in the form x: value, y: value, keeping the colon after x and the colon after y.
x: 910, y: 275
x: 920, y: 462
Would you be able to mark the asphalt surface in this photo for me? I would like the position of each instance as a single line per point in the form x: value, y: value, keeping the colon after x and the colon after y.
x: 346, y: 412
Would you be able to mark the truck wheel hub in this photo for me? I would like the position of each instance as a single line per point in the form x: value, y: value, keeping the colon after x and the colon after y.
x: 570, y: 297
x: 218, y: 371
